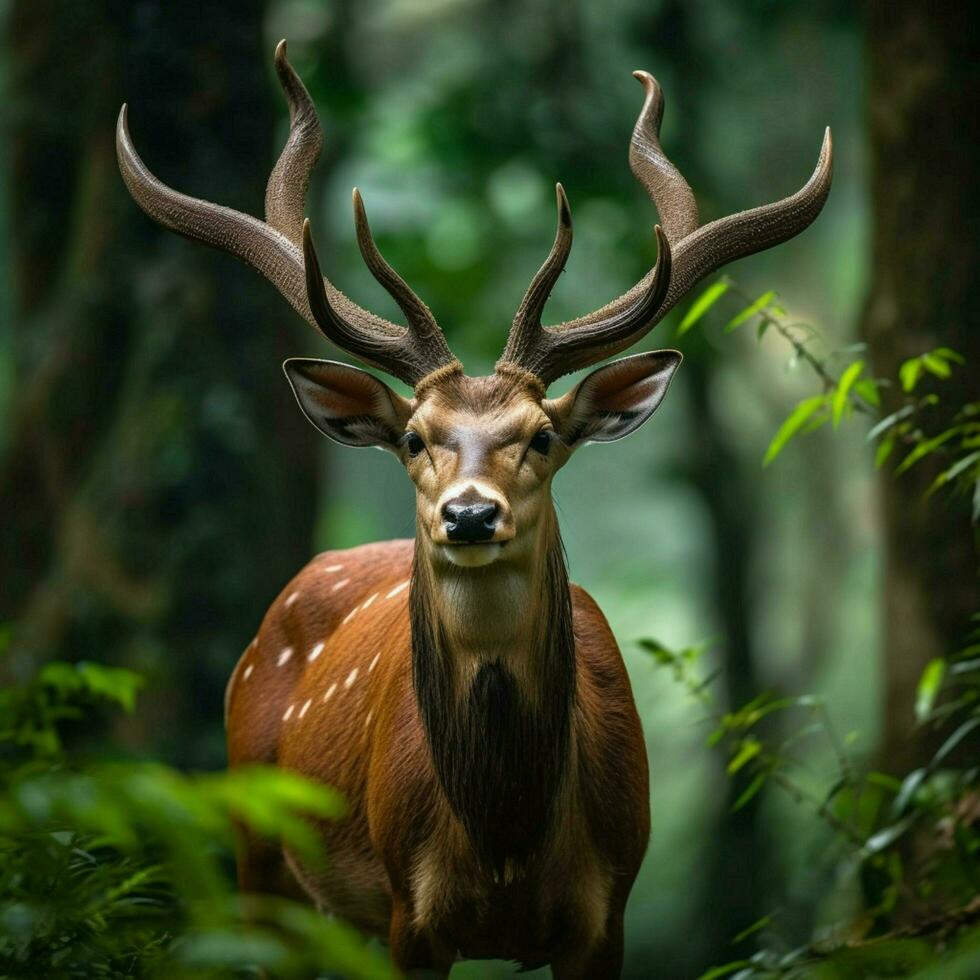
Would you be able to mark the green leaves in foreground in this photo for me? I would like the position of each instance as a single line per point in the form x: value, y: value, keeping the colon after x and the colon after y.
x: 125, y: 869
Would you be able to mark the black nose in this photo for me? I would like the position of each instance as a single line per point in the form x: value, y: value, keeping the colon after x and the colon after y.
x: 470, y: 522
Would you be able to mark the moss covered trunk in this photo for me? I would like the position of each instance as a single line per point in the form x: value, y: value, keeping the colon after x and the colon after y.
x: 925, y: 197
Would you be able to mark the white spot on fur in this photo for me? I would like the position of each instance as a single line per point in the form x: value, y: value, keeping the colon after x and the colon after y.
x: 315, y: 652
x: 289, y: 713
x: 284, y: 655
x: 306, y: 707
x: 397, y: 589
x: 334, y: 568
x: 367, y: 721
x: 351, y: 677
x: 350, y: 615
x: 292, y: 599
x: 329, y: 694
x: 367, y: 602
x: 339, y: 585
x: 374, y: 663
x: 247, y: 672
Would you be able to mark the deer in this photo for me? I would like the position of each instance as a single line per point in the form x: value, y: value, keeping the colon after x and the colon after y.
x: 468, y: 700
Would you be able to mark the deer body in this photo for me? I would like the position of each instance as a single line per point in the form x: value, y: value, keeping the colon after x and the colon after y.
x: 350, y: 717
x: 469, y: 702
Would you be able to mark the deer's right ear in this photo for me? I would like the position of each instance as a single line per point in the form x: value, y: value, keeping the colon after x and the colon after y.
x: 348, y: 405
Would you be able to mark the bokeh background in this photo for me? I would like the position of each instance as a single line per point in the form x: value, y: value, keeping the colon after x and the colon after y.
x: 160, y: 487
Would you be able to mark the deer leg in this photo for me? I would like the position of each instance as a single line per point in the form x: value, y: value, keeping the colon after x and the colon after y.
x: 412, y: 950
x: 262, y: 871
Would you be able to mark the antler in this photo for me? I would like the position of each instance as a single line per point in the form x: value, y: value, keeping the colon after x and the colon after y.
x: 694, y: 251
x: 273, y: 246
x: 550, y: 353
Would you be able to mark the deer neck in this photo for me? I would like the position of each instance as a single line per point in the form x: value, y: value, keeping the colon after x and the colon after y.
x: 494, y: 673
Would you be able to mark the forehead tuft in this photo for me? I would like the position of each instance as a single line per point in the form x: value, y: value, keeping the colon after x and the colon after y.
x: 482, y: 395
x: 497, y: 409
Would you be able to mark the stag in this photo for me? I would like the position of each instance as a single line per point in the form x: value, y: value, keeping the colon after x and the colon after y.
x: 468, y: 700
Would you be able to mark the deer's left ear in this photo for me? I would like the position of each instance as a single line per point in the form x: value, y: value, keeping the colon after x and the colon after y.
x: 614, y: 400
x: 348, y: 405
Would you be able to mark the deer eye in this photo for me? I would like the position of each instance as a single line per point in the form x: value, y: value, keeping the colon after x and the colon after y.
x: 541, y: 442
x: 414, y: 443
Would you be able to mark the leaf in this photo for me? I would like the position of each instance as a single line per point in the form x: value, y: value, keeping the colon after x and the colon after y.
x: 884, y: 450
x: 792, y: 425
x: 885, y: 837
x: 868, y: 391
x: 658, y: 651
x: 747, y: 751
x: 750, y: 311
x: 909, y: 373
x: 758, y: 781
x: 764, y: 324
x: 924, y: 448
x: 752, y: 929
x: 839, y: 399
x: 112, y: 683
x: 723, y: 971
x: 954, y: 740
x: 910, y: 786
x: 890, y: 420
x: 936, y: 365
x: 948, y: 475
x: 929, y: 686
x: 949, y: 354
x: 701, y: 306
x: 885, y: 781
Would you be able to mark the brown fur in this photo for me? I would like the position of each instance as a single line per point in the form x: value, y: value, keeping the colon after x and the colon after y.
x: 402, y: 844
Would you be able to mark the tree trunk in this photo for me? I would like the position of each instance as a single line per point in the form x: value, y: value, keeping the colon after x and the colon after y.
x: 925, y: 195
x: 734, y: 861
x: 161, y: 487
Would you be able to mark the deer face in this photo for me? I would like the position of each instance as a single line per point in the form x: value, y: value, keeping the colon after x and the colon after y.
x: 482, y: 451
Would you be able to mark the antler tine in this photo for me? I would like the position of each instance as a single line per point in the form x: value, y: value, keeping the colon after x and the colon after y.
x: 412, y: 353
x: 416, y: 312
x: 526, y: 330
x: 549, y: 353
x: 273, y: 247
x: 746, y: 232
x: 675, y: 201
x: 693, y: 251
x: 285, y: 194
x: 601, y: 338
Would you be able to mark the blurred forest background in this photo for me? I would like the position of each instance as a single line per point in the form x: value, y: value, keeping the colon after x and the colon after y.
x: 159, y: 485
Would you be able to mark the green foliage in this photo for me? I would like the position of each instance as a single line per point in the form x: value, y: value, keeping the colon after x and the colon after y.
x: 793, y: 424
x: 123, y: 869
x: 908, y: 846
x: 955, y: 448
x: 30, y: 714
x: 937, y: 362
x: 701, y: 305
x: 916, y: 840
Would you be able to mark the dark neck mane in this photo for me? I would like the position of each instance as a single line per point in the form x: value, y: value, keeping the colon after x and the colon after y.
x: 500, y: 749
